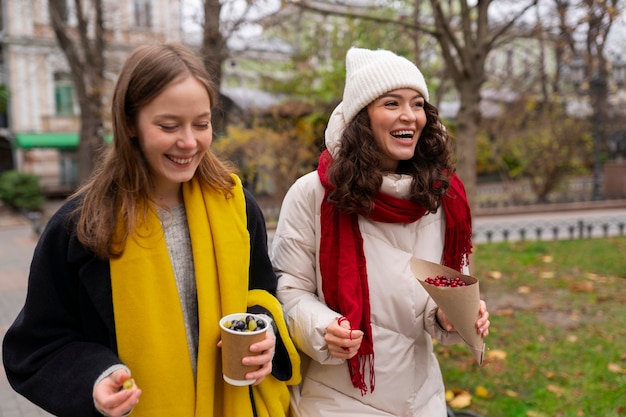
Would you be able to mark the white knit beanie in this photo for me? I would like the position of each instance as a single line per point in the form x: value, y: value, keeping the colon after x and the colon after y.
x: 370, y: 74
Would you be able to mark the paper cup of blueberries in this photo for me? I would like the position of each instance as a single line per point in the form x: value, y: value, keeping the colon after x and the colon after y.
x: 457, y: 295
x: 239, y: 331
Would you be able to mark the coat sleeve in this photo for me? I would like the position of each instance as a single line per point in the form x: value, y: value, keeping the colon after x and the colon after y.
x: 48, y: 356
x: 294, y: 258
x: 286, y: 363
x: 434, y: 329
x: 261, y: 274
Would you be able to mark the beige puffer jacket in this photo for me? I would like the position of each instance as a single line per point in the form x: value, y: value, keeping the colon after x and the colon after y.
x: 408, y: 378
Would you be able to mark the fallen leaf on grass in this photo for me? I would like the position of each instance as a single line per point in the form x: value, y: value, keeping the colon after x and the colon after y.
x: 494, y: 274
x: 496, y: 354
x: 482, y: 392
x: 546, y: 274
x: 524, y: 289
x: 531, y: 413
x: 546, y: 259
x: 461, y: 400
x: 595, y: 277
x: 613, y: 367
x: 449, y: 395
x: 556, y: 390
x: 511, y: 393
x: 504, y: 312
x: 582, y: 287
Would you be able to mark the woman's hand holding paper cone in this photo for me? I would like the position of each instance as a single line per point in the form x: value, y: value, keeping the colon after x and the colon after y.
x: 483, y: 323
x: 444, y: 322
x: 462, y: 305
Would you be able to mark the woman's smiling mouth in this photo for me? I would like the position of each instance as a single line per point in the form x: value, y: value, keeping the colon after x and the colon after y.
x: 179, y: 161
x: 403, y: 134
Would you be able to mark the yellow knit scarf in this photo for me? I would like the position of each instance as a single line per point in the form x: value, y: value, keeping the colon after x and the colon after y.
x: 150, y: 330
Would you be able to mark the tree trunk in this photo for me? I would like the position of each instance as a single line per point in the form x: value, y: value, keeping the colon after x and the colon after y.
x: 464, y: 50
x: 85, y: 56
x: 91, y: 141
x: 468, y: 120
x: 213, y: 54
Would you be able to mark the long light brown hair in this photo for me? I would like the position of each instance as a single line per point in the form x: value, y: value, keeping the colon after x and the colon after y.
x: 356, y: 175
x: 117, y: 196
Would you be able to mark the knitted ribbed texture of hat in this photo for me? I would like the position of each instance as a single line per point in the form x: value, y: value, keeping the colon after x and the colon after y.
x: 370, y: 74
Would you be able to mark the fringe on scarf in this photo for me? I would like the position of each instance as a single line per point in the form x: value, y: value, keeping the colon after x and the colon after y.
x: 357, y: 366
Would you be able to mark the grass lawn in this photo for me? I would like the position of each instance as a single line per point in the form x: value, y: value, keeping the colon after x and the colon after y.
x: 557, y: 343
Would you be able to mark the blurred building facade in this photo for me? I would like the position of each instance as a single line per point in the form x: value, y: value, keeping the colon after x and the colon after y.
x: 39, y: 111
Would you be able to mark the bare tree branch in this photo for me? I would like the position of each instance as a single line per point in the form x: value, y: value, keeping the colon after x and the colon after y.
x: 342, y: 10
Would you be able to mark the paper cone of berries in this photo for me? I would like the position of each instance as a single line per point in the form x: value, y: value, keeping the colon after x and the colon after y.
x: 460, y: 303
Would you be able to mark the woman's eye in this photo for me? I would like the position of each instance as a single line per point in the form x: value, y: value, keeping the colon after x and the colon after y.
x: 204, y: 125
x: 168, y: 128
x: 391, y: 103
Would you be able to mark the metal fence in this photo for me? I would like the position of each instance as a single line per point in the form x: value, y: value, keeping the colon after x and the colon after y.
x: 551, y: 227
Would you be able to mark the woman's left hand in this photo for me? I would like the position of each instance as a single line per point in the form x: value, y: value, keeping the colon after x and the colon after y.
x: 482, y: 323
x: 264, y: 359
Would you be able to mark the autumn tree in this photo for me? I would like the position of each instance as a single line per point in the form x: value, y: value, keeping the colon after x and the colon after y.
x: 83, y: 45
x: 320, y: 39
x: 271, y: 149
x: 537, y: 141
x: 465, y: 33
x: 282, y: 145
x: 219, y: 21
x: 584, y: 27
x: 546, y: 134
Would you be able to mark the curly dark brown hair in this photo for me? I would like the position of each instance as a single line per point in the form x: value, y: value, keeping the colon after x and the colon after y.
x: 356, y: 175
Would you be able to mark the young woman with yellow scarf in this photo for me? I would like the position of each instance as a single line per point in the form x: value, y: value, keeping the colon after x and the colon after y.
x: 131, y: 276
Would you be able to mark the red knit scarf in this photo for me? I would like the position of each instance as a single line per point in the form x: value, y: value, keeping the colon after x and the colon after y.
x: 342, y: 261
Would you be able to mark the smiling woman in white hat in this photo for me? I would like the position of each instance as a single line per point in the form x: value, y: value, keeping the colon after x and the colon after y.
x: 385, y: 191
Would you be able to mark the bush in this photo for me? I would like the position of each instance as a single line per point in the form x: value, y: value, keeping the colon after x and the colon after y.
x: 21, y: 190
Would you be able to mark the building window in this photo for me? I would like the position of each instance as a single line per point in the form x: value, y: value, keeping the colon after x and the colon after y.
x: 63, y: 94
x: 143, y: 13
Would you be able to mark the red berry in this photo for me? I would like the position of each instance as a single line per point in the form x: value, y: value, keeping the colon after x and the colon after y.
x: 441, y: 281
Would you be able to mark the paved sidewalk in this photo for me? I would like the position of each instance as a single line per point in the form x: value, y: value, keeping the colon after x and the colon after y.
x: 17, y: 242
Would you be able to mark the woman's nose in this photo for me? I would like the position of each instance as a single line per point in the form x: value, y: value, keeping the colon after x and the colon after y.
x: 407, y: 113
x: 187, y: 138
